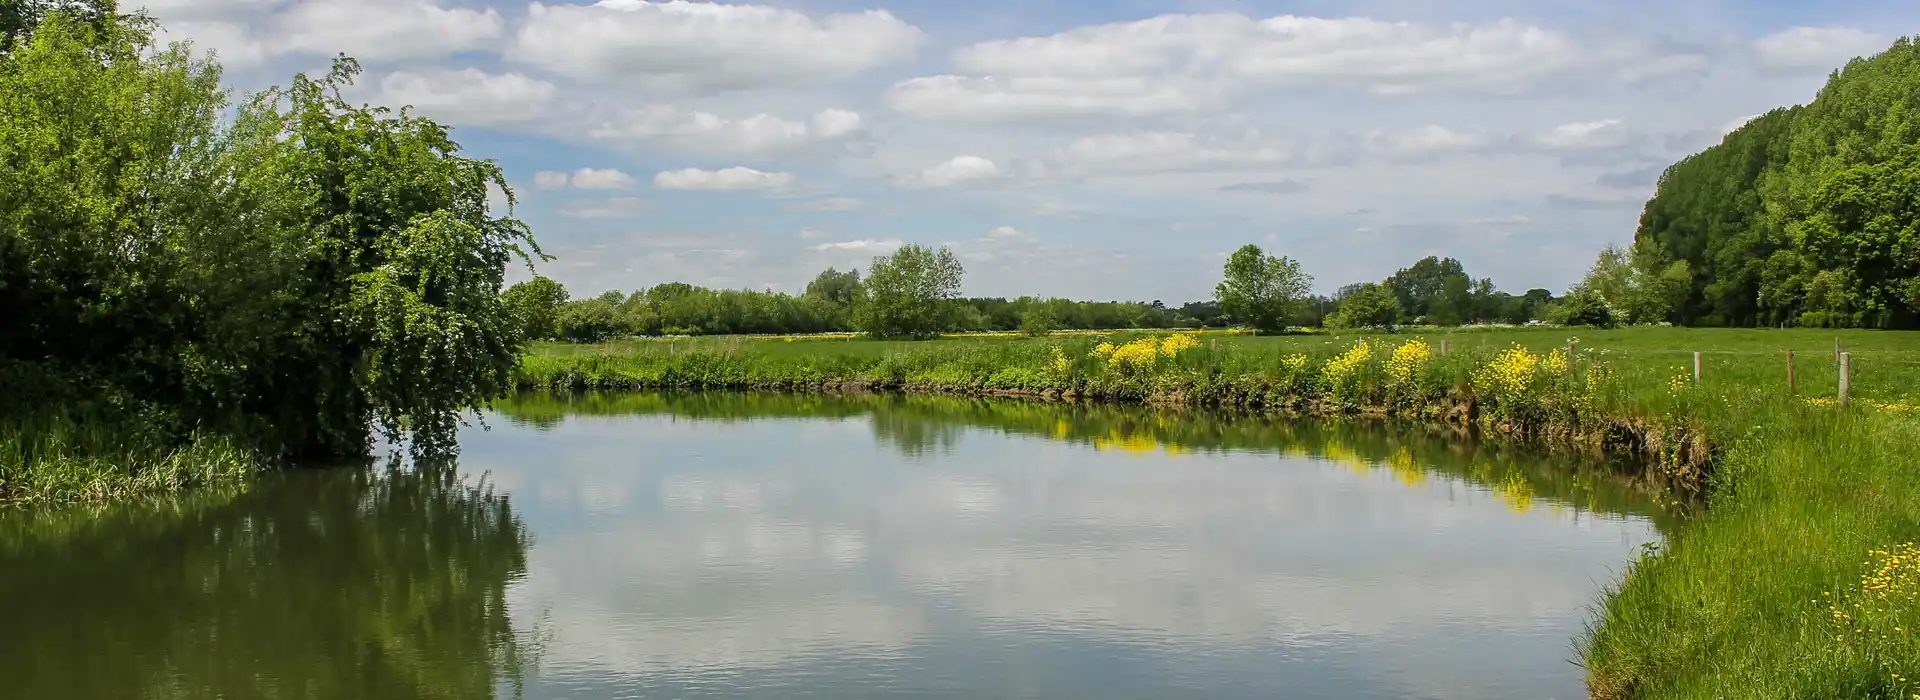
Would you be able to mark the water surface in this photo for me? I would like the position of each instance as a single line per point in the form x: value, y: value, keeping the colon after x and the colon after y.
x: 725, y: 545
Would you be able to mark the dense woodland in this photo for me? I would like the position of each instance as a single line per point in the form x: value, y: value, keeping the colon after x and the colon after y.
x: 1806, y: 216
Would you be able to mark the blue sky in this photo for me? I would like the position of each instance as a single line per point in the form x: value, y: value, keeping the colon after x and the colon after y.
x: 1083, y: 149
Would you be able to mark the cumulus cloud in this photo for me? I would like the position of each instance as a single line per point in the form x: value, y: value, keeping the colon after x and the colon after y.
x: 686, y: 129
x: 1606, y: 133
x: 1187, y: 62
x: 1288, y: 186
x: 831, y: 204
x: 1425, y: 142
x: 583, y: 179
x: 246, y: 32
x: 877, y: 246
x: 470, y: 96
x: 707, y: 47
x: 1154, y: 152
x: 957, y: 171
x: 597, y: 179
x: 384, y: 29
x: 734, y: 178
x: 614, y: 208
x: 1815, y: 48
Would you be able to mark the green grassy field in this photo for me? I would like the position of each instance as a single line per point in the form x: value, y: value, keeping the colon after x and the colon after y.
x: 1799, y: 579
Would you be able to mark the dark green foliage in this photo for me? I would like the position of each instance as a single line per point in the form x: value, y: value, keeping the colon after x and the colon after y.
x: 286, y: 276
x: 536, y: 303
x: 1036, y: 323
x: 1809, y: 215
x: 1261, y: 290
x: 1366, y: 306
x: 909, y: 294
x: 835, y: 286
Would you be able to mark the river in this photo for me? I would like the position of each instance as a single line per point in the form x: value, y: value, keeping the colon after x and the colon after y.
x: 770, y: 546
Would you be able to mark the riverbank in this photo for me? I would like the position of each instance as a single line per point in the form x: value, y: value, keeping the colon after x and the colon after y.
x: 1741, y: 603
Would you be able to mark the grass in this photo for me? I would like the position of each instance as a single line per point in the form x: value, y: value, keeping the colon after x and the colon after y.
x: 1792, y: 584
x: 60, y: 460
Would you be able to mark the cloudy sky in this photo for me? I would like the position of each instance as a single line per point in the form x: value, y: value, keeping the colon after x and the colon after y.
x: 1088, y: 149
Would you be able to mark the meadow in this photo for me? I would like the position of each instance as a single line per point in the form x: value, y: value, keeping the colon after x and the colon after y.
x: 1799, y: 577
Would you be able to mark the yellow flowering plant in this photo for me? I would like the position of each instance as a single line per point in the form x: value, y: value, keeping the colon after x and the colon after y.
x: 1405, y: 366
x: 1342, y: 373
x: 1509, y: 379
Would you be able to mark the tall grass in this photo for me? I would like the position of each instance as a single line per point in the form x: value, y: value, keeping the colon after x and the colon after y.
x: 1796, y: 582
x: 59, y: 460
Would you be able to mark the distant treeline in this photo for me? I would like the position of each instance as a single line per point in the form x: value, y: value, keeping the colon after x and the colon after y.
x: 1433, y: 291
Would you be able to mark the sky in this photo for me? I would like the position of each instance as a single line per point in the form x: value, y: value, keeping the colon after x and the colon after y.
x: 1093, y: 150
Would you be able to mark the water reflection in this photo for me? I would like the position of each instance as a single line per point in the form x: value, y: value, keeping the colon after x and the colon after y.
x: 731, y: 545
x: 759, y: 545
x: 919, y: 426
x: 343, y: 583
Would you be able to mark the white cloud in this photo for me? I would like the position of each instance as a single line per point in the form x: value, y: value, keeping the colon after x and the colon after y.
x: 583, y: 179
x: 704, y: 47
x: 1009, y: 97
x: 833, y: 204
x: 1515, y: 220
x: 233, y: 43
x: 383, y: 29
x: 1818, y: 48
x: 614, y: 208
x: 173, y: 10
x: 734, y: 178
x: 811, y: 233
x: 861, y: 245
x: 1608, y: 133
x: 1426, y: 141
x: 1001, y: 233
x: 596, y: 179
x: 1153, y: 152
x: 1187, y: 62
x: 470, y: 96
x: 694, y: 130
x: 956, y: 171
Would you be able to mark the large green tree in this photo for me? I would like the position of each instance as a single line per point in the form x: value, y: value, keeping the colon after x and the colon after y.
x: 1261, y: 290
x: 909, y: 294
x: 290, y: 273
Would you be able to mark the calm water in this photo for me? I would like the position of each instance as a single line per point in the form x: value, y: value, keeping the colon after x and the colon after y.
x: 648, y: 546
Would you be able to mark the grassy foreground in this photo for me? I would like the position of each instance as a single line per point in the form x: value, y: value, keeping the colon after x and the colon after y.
x: 1801, y: 579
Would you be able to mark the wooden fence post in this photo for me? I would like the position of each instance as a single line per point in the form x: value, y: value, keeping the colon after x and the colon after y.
x: 1846, y: 378
x: 1696, y: 368
x: 1793, y: 386
x: 1443, y: 348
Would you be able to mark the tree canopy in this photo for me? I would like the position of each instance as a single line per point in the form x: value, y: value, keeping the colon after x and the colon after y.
x: 1261, y: 290
x: 909, y: 294
x: 292, y: 272
x: 1806, y: 215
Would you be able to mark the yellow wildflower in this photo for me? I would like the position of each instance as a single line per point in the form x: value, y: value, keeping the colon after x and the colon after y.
x: 1177, y: 342
x: 1340, y: 370
x: 1509, y: 376
x: 1404, y: 365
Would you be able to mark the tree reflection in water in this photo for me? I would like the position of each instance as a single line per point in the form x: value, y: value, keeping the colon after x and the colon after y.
x: 338, y: 583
